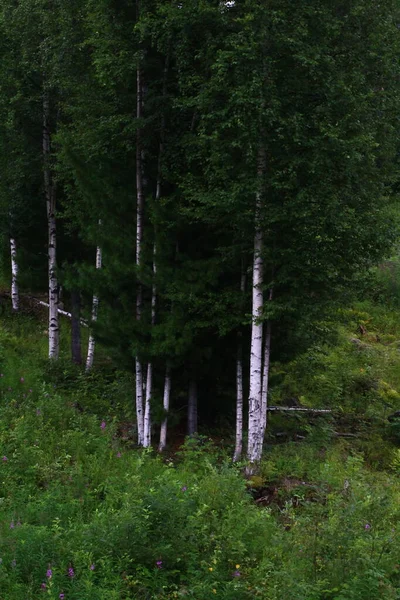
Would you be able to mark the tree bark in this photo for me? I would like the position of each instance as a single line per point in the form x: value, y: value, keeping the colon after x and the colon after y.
x: 265, y: 380
x: 255, y: 437
x: 50, y: 194
x: 95, y: 308
x: 139, y: 243
x: 166, y: 401
x: 239, y: 383
x: 192, y: 408
x: 14, y: 275
x: 76, y: 348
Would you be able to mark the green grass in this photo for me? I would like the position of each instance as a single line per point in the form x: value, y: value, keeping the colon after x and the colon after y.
x: 319, y: 522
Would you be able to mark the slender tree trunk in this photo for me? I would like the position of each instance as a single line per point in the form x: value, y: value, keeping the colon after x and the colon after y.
x: 95, y: 309
x: 14, y: 275
x: 255, y: 435
x: 265, y: 380
x: 50, y: 193
x: 76, y: 348
x: 192, y: 408
x: 147, y: 408
x: 149, y: 378
x: 166, y: 401
x: 139, y: 243
x: 239, y: 384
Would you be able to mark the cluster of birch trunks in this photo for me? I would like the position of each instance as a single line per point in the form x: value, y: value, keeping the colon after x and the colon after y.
x: 260, y: 334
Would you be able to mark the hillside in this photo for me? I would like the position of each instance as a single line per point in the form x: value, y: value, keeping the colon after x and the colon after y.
x: 85, y: 515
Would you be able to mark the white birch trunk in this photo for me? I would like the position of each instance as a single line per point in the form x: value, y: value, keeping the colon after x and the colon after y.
x: 147, y: 408
x: 139, y: 401
x: 255, y: 434
x: 139, y: 242
x: 192, y: 408
x: 166, y: 400
x: 265, y: 380
x: 95, y: 309
x: 239, y: 385
x: 149, y: 378
x: 14, y: 276
x: 50, y: 194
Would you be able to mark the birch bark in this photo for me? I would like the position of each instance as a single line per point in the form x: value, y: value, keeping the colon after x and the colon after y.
x: 166, y: 401
x: 239, y: 384
x: 265, y: 379
x: 14, y: 275
x: 95, y: 309
x: 139, y: 242
x: 50, y: 194
x: 255, y: 437
x: 149, y: 378
x: 192, y: 408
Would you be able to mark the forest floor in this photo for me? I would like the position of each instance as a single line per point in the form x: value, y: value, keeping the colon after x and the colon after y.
x: 86, y: 516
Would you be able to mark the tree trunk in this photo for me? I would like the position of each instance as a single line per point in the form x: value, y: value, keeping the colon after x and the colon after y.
x: 149, y: 378
x: 166, y: 400
x: 147, y: 408
x: 265, y: 381
x: 239, y: 384
x: 95, y: 308
x: 50, y: 193
x: 255, y: 435
x: 14, y: 276
x: 192, y: 408
x: 139, y: 242
x: 76, y: 349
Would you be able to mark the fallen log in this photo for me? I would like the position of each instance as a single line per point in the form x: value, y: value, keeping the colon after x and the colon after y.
x: 298, y: 409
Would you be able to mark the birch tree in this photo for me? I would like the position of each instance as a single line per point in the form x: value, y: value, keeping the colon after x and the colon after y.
x: 255, y: 432
x: 50, y: 195
x: 14, y: 275
x: 166, y: 402
x: 139, y: 242
x: 95, y: 308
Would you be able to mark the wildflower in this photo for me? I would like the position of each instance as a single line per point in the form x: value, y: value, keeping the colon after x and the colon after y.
x: 38, y: 411
x: 5, y: 459
x: 30, y: 391
x: 119, y: 454
x: 22, y: 380
x: 1, y: 374
x: 183, y: 488
x: 159, y: 564
x: 43, y: 586
x: 236, y: 573
x: 12, y: 525
x: 367, y: 526
x: 214, y: 591
x: 210, y: 569
x: 71, y: 572
x: 61, y: 596
x: 237, y: 566
x: 49, y: 573
x: 103, y: 425
x: 92, y: 567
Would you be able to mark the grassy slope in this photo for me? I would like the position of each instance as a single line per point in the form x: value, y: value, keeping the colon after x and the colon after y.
x: 73, y: 496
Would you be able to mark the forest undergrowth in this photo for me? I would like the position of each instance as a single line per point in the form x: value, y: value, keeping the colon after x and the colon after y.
x: 84, y: 515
